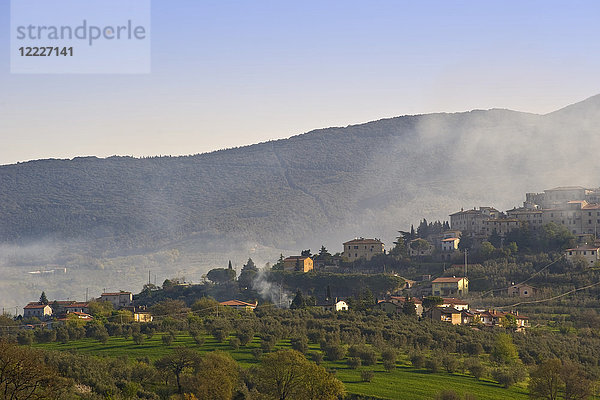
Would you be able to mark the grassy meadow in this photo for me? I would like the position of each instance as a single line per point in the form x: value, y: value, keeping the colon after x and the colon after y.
x: 403, y: 383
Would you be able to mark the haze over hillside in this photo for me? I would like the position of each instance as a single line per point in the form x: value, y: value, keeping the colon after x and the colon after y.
x: 325, y: 186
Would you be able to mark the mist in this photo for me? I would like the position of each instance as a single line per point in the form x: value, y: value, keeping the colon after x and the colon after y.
x: 181, y: 216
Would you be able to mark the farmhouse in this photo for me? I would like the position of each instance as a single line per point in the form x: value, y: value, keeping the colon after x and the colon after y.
x: 362, y: 248
x: 37, y: 310
x: 298, y: 263
x: 450, y: 286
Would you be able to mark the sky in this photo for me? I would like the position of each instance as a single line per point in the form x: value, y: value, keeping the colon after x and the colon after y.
x: 232, y: 73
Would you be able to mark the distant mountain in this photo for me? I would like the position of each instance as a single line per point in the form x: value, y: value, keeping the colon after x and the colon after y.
x: 320, y: 187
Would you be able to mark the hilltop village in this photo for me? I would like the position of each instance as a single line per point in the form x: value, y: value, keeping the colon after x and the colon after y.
x: 570, y: 215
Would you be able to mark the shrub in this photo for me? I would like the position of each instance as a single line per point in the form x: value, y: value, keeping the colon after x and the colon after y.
x: 368, y: 356
x: 432, y: 364
x: 448, y: 395
x: 389, y: 365
x: 317, y: 357
x: 354, y: 362
x: 417, y: 360
x: 257, y: 353
x: 450, y: 363
x: 367, y: 375
x: 475, y: 367
x: 335, y: 352
x: 245, y: 337
x: 138, y: 338
x: 300, y: 344
x: 167, y: 339
x: 234, y: 342
x: 25, y: 338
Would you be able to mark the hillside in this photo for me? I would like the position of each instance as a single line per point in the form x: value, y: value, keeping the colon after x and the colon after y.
x: 321, y: 187
x: 279, y: 193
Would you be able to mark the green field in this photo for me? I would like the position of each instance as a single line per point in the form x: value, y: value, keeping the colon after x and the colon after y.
x: 404, y: 383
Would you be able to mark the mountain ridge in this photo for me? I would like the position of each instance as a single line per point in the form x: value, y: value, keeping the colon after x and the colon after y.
x: 337, y: 179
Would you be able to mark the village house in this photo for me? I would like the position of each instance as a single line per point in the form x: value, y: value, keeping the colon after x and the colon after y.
x: 400, y: 300
x: 531, y: 217
x: 239, y: 305
x: 472, y: 221
x: 338, y: 305
x: 450, y: 244
x: 450, y: 286
x: 446, y: 314
x: 495, y: 318
x: 521, y: 290
x: 589, y: 254
x: 298, y: 263
x: 362, y: 248
x: 118, y: 299
x: 142, y: 315
x: 41, y: 311
x: 457, y: 304
x: 77, y: 307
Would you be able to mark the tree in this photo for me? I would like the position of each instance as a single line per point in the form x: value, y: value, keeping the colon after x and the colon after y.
x: 221, y: 275
x: 216, y: 377
x: 430, y: 302
x: 23, y: 376
x: 504, y: 350
x: 306, y: 253
x: 545, y: 381
x: 247, y: 275
x: 229, y: 266
x: 180, y: 361
x: 466, y: 241
x: 298, y: 301
x: 495, y: 239
x: 420, y: 246
x: 486, y: 250
x: 409, y: 307
x: 100, y: 309
x: 205, y: 306
x: 43, y: 298
x: 576, y: 385
x: 287, y: 374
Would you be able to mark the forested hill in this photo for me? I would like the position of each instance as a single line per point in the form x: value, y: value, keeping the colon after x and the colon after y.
x: 328, y: 184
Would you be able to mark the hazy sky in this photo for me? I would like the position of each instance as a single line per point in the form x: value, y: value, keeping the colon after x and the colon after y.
x: 229, y: 73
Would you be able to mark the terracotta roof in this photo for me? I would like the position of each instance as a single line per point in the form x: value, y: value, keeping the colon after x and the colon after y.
x: 296, y: 258
x: 233, y: 303
x: 403, y: 298
x: 447, y: 280
x: 31, y: 306
x: 449, y: 310
x: 77, y: 305
x: 452, y: 300
x: 363, y: 241
x: 114, y: 294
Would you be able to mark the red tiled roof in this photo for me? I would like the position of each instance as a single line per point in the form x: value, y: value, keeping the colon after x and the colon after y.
x: 77, y: 305
x: 31, y: 306
x: 452, y: 300
x: 447, y: 280
x: 114, y: 294
x: 363, y: 241
x: 296, y: 258
x: 402, y: 298
x: 233, y: 303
